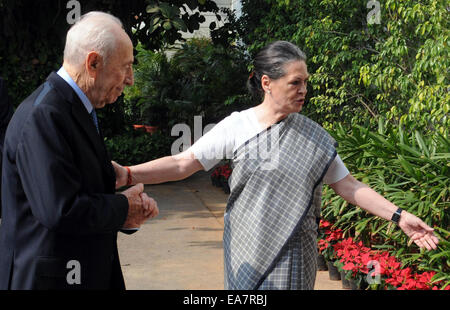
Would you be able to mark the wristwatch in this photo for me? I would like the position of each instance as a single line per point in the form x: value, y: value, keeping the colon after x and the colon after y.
x: 396, y: 216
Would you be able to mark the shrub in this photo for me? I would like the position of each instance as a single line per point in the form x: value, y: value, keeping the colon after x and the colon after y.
x: 32, y: 33
x: 200, y: 79
x: 134, y: 147
x: 411, y: 170
x: 361, y: 71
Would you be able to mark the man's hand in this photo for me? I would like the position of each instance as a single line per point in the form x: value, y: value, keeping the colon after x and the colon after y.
x: 121, y: 174
x: 141, y: 207
x: 150, y: 206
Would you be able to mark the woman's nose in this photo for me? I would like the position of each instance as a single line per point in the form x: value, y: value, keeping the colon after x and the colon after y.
x: 302, y: 89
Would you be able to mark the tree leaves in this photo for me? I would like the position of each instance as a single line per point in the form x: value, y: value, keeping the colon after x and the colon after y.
x: 360, y: 72
x: 35, y: 33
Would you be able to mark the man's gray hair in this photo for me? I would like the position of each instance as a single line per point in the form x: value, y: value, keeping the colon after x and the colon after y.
x: 95, y: 31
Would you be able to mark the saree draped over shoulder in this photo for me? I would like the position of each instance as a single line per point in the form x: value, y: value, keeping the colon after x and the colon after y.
x: 273, y: 209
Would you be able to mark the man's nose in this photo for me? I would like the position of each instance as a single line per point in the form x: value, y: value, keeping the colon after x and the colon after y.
x: 129, y: 79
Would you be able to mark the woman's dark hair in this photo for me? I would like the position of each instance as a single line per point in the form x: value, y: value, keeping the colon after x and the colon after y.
x: 271, y: 61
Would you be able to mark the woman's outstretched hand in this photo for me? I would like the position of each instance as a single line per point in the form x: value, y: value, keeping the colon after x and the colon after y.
x: 418, y: 231
x: 121, y: 174
x: 360, y: 194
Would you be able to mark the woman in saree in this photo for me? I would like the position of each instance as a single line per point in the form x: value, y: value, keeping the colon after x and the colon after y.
x: 280, y: 161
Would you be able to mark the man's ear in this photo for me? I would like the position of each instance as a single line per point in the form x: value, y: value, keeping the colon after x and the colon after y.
x: 93, y: 64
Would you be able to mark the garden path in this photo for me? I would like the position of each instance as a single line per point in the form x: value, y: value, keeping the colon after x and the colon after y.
x: 182, y: 249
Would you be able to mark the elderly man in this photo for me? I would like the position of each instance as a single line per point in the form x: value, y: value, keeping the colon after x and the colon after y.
x: 60, y: 211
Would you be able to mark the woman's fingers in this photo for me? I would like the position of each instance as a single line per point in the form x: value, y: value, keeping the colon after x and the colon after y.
x: 427, y: 241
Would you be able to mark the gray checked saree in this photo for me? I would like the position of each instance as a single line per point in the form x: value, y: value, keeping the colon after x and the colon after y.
x: 270, y: 234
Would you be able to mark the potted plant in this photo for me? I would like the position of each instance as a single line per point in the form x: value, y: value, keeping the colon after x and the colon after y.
x: 225, y: 175
x: 321, y: 261
x: 151, y: 129
x: 353, y: 261
x: 326, y: 248
x: 220, y: 176
x: 139, y: 127
x: 215, y: 178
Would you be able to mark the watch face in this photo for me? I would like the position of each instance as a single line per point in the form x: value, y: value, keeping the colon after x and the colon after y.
x: 395, y: 218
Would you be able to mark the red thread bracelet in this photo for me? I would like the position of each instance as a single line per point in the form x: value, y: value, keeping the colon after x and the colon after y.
x: 129, y: 179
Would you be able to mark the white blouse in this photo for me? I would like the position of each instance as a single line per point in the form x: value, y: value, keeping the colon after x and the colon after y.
x: 225, y: 138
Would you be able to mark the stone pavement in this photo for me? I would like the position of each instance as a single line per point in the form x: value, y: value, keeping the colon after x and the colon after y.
x: 182, y: 249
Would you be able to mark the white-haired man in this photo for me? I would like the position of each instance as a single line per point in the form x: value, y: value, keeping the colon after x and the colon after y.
x: 60, y: 211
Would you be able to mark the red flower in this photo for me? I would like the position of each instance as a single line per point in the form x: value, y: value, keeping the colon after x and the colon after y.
x: 324, y: 224
x: 349, y: 266
x: 323, y: 244
x: 355, y: 257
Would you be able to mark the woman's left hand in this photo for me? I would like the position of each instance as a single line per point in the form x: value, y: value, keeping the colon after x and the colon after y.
x: 418, y: 231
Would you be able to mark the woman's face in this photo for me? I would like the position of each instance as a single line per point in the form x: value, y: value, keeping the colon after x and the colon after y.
x: 289, y: 91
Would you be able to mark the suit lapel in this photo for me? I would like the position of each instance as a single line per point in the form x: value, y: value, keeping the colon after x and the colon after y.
x: 85, y: 121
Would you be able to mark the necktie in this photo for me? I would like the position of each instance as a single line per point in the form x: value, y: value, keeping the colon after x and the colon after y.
x: 94, y: 118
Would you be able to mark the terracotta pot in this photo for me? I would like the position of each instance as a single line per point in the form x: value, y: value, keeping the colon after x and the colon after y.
x: 333, y: 272
x: 151, y: 129
x: 321, y: 263
x: 139, y: 127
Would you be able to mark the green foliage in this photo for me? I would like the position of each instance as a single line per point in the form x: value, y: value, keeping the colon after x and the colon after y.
x: 200, y: 79
x: 32, y: 33
x: 382, y: 91
x: 408, y: 67
x: 135, y: 147
x: 162, y: 22
x: 31, y: 46
x: 360, y: 71
x: 409, y: 169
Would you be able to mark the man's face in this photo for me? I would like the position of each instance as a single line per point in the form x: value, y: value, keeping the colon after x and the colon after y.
x: 115, y: 75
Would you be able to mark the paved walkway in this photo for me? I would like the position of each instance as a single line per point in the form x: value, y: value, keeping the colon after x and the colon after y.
x: 182, y: 249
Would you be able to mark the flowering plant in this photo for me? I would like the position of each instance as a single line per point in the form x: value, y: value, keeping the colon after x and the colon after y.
x: 328, y: 238
x: 353, y: 259
x: 379, y: 269
x: 220, y: 177
x: 372, y: 268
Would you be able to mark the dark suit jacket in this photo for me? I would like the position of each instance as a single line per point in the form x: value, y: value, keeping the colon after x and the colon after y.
x: 58, y: 197
x: 6, y: 112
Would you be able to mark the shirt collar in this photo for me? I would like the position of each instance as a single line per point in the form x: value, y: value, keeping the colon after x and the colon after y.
x: 84, y: 99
